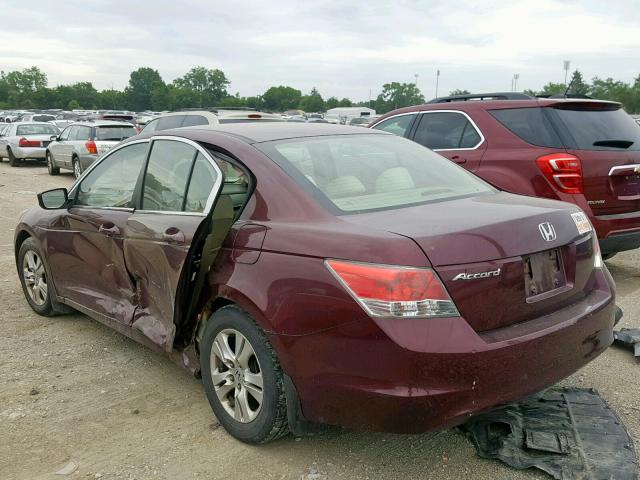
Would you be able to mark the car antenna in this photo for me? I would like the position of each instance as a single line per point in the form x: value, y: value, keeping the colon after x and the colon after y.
x: 566, y: 92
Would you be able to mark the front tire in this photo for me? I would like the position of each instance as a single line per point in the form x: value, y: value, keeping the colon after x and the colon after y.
x: 50, y: 167
x: 34, y: 278
x: 242, y: 377
x: 13, y: 161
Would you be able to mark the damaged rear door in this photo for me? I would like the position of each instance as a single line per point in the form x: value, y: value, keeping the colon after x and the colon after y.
x: 178, y: 191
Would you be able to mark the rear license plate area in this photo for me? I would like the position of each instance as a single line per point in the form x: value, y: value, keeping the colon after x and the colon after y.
x: 543, y: 274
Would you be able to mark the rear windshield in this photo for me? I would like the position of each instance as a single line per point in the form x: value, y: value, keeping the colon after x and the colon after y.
x: 361, y: 173
x: 43, y: 118
x: 36, y: 130
x: 601, y: 129
x: 115, y: 132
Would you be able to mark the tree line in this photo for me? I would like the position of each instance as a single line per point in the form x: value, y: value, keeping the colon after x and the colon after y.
x: 205, y: 87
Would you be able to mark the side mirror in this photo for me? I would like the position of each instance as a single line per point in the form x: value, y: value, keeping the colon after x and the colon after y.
x: 53, y: 138
x: 53, y: 199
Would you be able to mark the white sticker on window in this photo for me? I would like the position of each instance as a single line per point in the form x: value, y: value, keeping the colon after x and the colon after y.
x: 582, y: 222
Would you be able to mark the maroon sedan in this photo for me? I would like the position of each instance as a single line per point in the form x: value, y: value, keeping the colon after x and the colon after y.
x: 322, y: 274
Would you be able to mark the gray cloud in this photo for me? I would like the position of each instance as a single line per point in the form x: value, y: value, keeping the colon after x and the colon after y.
x: 342, y: 48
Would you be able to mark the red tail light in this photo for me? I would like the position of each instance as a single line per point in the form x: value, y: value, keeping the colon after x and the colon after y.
x: 254, y: 115
x: 23, y: 142
x: 91, y: 146
x: 562, y: 170
x: 397, y: 292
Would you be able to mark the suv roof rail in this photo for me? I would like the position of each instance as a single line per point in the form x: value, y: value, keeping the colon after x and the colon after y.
x: 482, y: 96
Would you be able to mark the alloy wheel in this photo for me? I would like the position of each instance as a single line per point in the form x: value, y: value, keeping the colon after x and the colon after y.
x: 76, y: 169
x: 35, y: 278
x: 49, y: 164
x: 236, y: 375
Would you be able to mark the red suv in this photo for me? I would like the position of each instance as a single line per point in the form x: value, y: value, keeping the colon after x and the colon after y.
x: 582, y: 151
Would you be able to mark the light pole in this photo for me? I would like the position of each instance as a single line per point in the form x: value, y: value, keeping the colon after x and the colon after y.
x: 566, y: 66
x: 416, y: 82
x: 516, y: 76
x: 437, y: 81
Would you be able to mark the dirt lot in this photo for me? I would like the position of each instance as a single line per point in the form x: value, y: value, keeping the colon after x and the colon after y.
x: 72, y: 390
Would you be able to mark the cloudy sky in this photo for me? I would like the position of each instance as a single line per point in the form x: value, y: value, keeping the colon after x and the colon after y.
x: 344, y: 48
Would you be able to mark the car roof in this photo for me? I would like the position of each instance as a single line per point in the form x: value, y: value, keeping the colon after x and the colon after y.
x: 257, y: 132
x: 100, y: 123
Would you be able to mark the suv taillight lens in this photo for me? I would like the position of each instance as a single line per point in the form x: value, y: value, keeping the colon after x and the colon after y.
x: 394, y: 291
x: 563, y: 170
x: 23, y: 142
x: 91, y: 146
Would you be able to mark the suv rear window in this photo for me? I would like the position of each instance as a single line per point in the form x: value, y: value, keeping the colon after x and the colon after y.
x: 602, y: 129
x: 115, y: 132
x: 530, y: 124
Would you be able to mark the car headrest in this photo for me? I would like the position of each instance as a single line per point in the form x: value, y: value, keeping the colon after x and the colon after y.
x: 346, y: 186
x: 397, y: 178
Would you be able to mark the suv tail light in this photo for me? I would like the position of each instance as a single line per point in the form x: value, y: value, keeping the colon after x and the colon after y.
x: 23, y: 142
x: 91, y: 146
x: 563, y: 170
x: 394, y: 291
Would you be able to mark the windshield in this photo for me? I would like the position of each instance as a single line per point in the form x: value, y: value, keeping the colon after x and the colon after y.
x: 601, y: 129
x: 36, y: 129
x: 115, y: 133
x: 360, y: 173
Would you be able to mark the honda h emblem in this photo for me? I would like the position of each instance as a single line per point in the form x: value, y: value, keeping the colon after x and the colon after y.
x: 547, y: 231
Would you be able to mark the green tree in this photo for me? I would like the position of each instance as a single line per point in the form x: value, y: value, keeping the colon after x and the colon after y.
x: 345, y: 102
x: 397, y: 95
x: 553, y: 89
x: 73, y: 105
x: 141, y: 83
x: 209, y: 84
x: 312, y: 102
x: 255, y: 102
x: 331, y: 102
x: 160, y: 97
x: 459, y: 92
x: 578, y: 85
x: 279, y: 99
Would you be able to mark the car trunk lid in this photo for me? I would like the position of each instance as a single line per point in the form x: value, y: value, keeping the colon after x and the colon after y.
x: 497, y: 250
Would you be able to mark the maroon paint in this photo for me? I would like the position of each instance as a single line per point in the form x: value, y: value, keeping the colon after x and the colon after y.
x: 404, y: 375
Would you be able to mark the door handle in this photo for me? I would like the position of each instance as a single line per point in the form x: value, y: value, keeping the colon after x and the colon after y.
x: 173, y: 235
x: 109, y: 229
x: 458, y: 159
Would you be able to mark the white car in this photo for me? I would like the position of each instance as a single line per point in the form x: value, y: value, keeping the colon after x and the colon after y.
x: 192, y: 118
x: 23, y: 140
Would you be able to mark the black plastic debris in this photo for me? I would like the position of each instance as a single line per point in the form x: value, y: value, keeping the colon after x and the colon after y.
x: 629, y: 337
x: 570, y: 433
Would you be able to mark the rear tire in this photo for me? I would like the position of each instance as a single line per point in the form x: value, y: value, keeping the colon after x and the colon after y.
x: 34, y: 278
x: 52, y: 170
x: 13, y: 161
x: 246, y: 392
x: 77, y: 170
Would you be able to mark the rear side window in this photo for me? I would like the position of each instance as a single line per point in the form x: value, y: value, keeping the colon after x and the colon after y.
x: 446, y: 131
x: 396, y: 125
x: 193, y: 120
x: 80, y: 133
x: 530, y: 124
x: 600, y: 129
x: 172, y: 121
x: 165, y: 181
x: 203, y: 179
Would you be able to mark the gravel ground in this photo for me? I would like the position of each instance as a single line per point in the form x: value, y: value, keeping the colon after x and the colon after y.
x: 72, y: 390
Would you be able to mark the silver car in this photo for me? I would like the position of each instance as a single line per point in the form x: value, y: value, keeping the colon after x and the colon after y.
x: 23, y: 140
x: 81, y: 143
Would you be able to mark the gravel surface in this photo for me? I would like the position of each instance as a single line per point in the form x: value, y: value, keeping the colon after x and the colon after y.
x: 78, y: 397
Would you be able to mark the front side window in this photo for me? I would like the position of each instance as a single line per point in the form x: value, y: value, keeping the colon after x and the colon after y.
x: 150, y: 127
x: 65, y: 133
x: 446, y: 131
x: 194, y: 120
x: 396, y: 125
x: 168, y: 170
x: 112, y: 182
x: 360, y: 173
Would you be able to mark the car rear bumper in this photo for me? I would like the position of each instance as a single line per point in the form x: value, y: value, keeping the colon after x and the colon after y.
x: 618, y: 233
x: 411, y: 376
x: 30, y: 152
x: 86, y: 160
